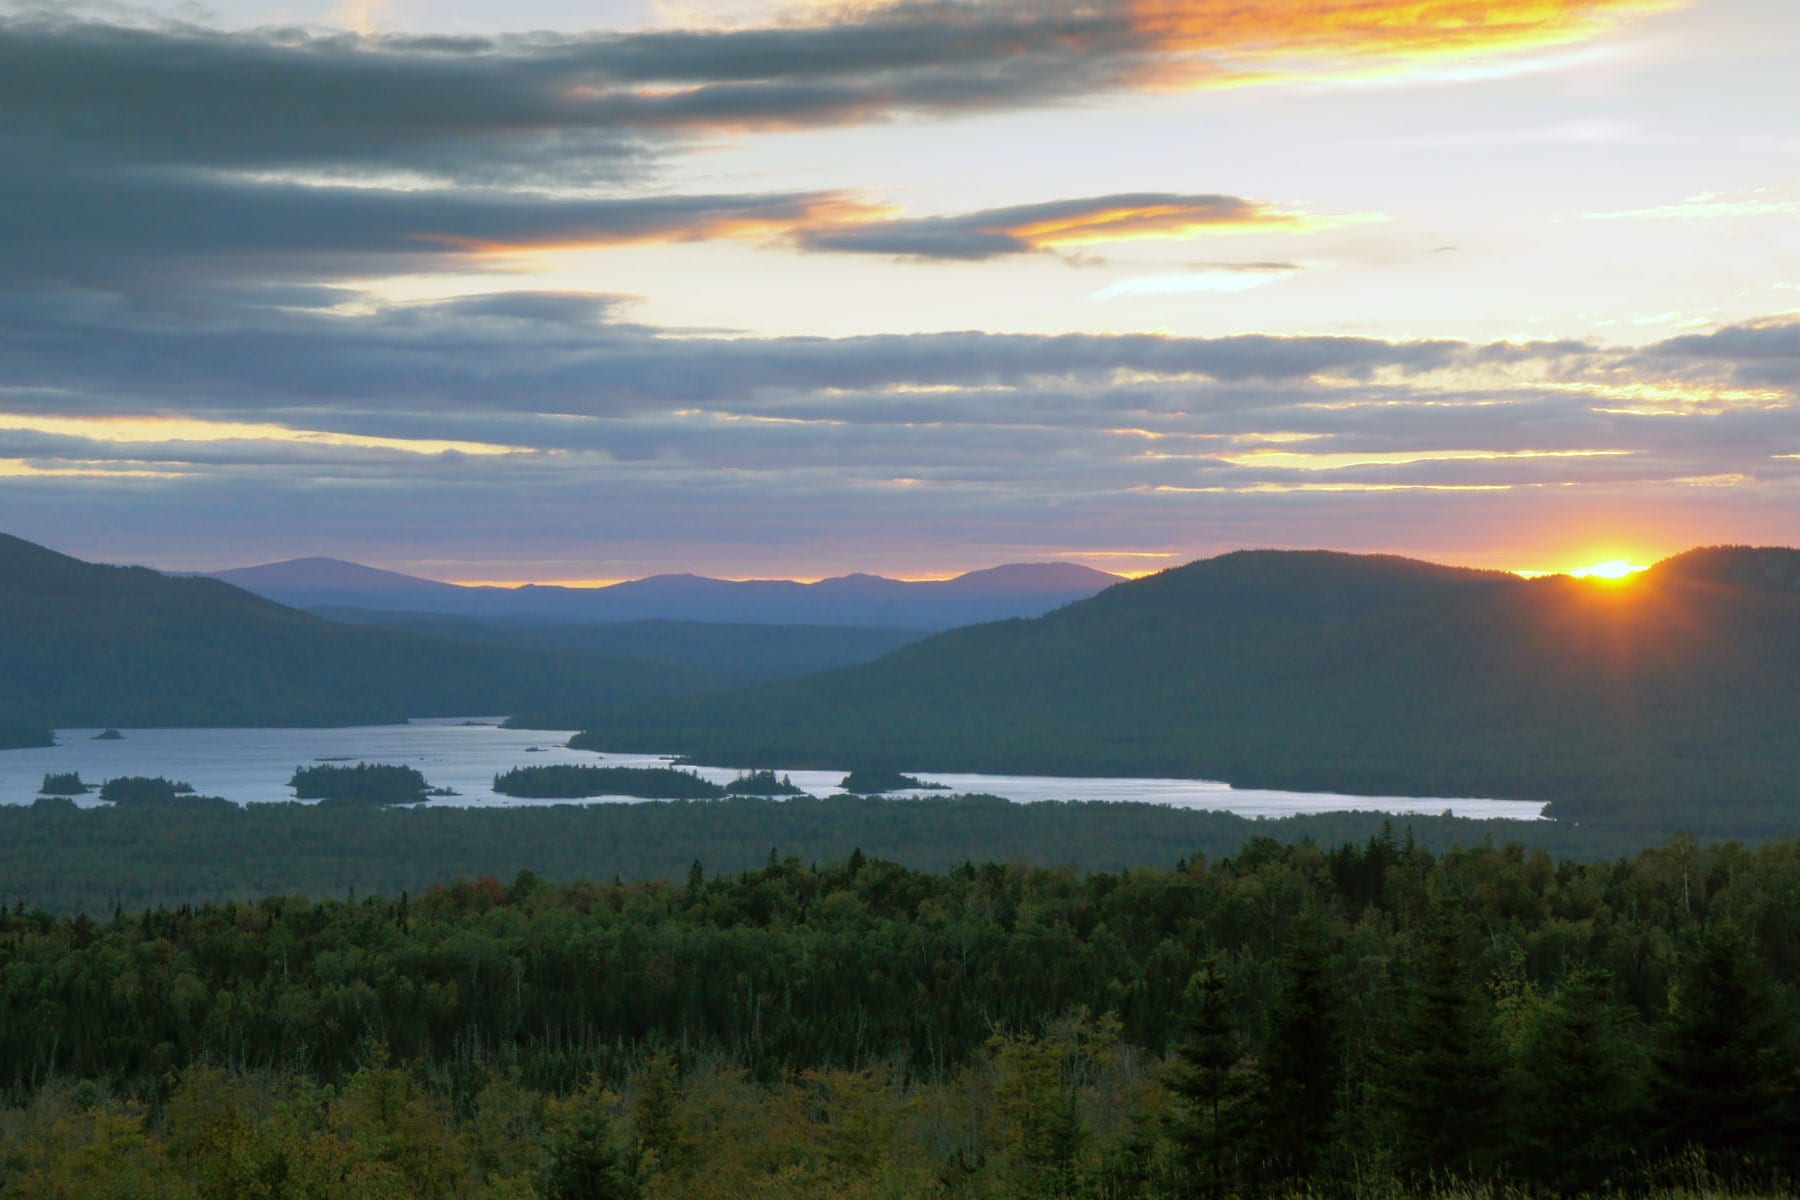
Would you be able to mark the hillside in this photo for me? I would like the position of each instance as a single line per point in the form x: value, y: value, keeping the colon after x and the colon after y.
x: 730, y: 655
x: 1666, y: 702
x: 91, y: 645
x: 870, y: 601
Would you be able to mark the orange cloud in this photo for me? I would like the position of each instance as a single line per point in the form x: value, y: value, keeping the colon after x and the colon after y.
x: 1022, y: 229
x: 1238, y: 41
x: 679, y: 223
x: 1129, y: 222
x: 846, y: 223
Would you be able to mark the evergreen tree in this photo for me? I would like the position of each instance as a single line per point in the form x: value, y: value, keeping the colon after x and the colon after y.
x: 1442, y: 1087
x: 1727, y: 1067
x: 585, y: 1164
x: 657, y: 1119
x: 1206, y: 1087
x: 1577, y: 1088
x: 1299, y: 1074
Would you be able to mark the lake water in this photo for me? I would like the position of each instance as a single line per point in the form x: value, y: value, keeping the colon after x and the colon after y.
x: 252, y: 766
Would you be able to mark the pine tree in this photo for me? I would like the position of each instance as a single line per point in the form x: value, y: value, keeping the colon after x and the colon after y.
x: 1207, y: 1088
x: 1299, y: 1074
x: 1442, y: 1089
x: 1576, y: 1088
x: 1727, y: 1066
x: 585, y: 1164
x: 657, y: 1118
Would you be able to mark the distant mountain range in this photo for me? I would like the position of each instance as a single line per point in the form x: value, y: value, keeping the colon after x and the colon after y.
x: 1669, y: 701
x: 89, y: 645
x: 869, y: 601
x: 83, y: 644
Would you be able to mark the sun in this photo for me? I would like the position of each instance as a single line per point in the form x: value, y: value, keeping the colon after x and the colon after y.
x: 1612, y: 570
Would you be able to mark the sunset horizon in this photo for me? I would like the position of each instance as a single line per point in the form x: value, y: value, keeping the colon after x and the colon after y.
x: 773, y: 288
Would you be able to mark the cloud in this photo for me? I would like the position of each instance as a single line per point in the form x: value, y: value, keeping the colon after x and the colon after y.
x: 498, y: 108
x: 197, y: 229
x: 1025, y: 229
x: 586, y: 437
x: 1708, y: 206
x: 564, y: 353
x: 1759, y: 353
x: 193, y: 230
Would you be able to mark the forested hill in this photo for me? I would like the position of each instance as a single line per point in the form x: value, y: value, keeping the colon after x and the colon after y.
x: 89, y: 645
x: 1664, y: 702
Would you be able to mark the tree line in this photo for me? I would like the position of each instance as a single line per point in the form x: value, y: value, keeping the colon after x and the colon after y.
x: 1373, y: 1019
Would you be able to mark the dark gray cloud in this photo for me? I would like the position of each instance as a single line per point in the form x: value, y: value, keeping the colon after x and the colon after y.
x: 1760, y: 353
x: 558, y: 353
x: 498, y: 108
x: 194, y: 230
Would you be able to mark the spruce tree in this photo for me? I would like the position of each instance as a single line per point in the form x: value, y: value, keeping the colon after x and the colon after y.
x: 1577, y: 1089
x: 1299, y: 1074
x: 1207, y: 1088
x: 1442, y: 1089
x: 585, y: 1163
x: 1727, y: 1067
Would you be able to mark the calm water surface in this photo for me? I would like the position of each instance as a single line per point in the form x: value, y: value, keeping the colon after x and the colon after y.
x: 252, y: 766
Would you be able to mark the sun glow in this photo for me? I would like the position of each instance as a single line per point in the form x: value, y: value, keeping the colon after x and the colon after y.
x: 1612, y: 570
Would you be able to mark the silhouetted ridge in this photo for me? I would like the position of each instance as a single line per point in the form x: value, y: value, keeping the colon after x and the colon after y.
x: 1667, y: 701
x: 862, y: 600
x: 1310, y: 585
x: 1768, y: 568
x: 89, y: 645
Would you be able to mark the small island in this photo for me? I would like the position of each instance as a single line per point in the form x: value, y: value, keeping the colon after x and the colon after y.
x: 67, y: 783
x: 372, y: 784
x: 581, y: 783
x: 18, y: 734
x: 762, y: 783
x: 138, y: 789
x: 866, y: 781
x: 108, y: 735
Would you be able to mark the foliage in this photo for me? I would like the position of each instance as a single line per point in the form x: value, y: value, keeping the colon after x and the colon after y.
x: 689, y: 656
x: 365, y: 783
x: 1660, y: 706
x: 1728, y: 1065
x: 987, y: 1032
x: 64, y: 783
x: 134, y: 789
x: 578, y: 782
x: 24, y: 733
x: 762, y: 783
x: 871, y: 781
x: 57, y: 857
x: 94, y: 645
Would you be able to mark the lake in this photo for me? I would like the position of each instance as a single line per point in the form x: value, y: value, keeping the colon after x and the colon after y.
x: 252, y: 766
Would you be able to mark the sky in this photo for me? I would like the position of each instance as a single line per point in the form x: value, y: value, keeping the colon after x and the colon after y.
x: 508, y: 290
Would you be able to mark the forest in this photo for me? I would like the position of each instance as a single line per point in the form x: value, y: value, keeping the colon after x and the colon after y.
x: 1371, y: 1019
x: 574, y: 782
x: 364, y: 783
x: 65, y: 859
x: 1656, y: 707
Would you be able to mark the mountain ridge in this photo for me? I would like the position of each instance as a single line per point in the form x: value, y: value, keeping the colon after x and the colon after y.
x: 1666, y: 700
x: 86, y: 644
x: 860, y: 599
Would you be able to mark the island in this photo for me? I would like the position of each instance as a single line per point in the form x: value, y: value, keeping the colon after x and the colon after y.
x: 762, y: 783
x: 66, y: 783
x: 371, y: 784
x: 581, y: 783
x: 108, y: 735
x: 865, y: 781
x: 136, y: 789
